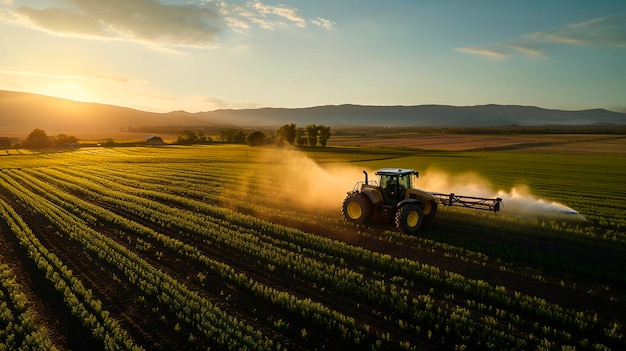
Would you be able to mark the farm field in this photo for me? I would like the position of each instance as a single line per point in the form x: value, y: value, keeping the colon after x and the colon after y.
x: 233, y: 247
x: 546, y: 143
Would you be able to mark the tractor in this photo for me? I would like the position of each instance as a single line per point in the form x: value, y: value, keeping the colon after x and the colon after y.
x: 394, y: 197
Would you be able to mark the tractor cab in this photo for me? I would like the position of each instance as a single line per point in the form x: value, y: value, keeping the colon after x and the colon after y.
x: 394, y: 182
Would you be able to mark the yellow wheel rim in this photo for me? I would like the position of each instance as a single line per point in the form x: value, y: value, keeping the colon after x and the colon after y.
x: 354, y: 210
x: 412, y: 219
x: 427, y: 208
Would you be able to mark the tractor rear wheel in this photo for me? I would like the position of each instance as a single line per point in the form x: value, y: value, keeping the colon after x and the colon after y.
x: 357, y: 208
x: 409, y: 218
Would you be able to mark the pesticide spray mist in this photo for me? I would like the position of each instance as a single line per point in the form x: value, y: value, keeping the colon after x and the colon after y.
x: 518, y: 200
x: 306, y: 183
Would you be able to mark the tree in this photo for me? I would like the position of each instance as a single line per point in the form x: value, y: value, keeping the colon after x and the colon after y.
x: 203, y: 138
x: 233, y: 136
x: 239, y: 137
x: 5, y: 142
x: 110, y: 142
x: 323, y: 134
x: 37, y: 139
x: 311, y: 135
x: 287, y: 133
x: 65, y: 140
x: 256, y: 138
x: 300, y: 137
x: 187, y: 137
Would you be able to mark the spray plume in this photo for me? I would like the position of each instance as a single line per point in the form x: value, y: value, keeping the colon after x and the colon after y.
x: 518, y: 199
x: 312, y: 186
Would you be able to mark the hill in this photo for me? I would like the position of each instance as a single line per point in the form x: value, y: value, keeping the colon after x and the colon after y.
x: 420, y: 115
x: 22, y: 112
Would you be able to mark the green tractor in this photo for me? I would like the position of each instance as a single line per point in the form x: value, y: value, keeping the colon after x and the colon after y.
x: 394, y: 197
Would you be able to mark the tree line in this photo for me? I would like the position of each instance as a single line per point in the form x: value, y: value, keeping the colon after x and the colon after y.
x: 290, y: 134
x: 312, y: 135
x: 308, y: 136
x: 38, y: 139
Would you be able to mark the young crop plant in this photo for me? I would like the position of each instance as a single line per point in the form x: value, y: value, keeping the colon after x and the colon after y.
x: 20, y: 327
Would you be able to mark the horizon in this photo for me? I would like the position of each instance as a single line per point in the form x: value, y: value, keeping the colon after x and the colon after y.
x: 202, y: 56
x: 307, y: 107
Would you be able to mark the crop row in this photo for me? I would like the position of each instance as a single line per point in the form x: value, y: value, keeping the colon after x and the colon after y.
x: 77, y: 297
x: 173, y: 175
x: 19, y: 327
x: 295, y: 240
x: 260, y: 239
x: 209, y: 187
x: 210, y: 320
x: 330, y: 320
x: 237, y: 238
x: 259, y: 199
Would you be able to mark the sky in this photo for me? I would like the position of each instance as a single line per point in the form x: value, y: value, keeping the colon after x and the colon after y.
x: 170, y: 55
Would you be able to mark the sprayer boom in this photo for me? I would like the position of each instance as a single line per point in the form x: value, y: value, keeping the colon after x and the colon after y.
x: 479, y: 203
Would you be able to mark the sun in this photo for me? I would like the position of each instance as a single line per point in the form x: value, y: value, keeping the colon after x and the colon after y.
x: 69, y: 91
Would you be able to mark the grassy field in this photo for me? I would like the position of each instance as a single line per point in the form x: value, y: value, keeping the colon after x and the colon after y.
x: 233, y: 247
x: 590, y: 144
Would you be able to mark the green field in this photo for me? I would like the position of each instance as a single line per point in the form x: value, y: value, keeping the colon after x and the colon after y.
x: 237, y: 247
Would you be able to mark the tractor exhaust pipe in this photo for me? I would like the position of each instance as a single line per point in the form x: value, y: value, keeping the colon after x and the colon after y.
x: 365, y: 177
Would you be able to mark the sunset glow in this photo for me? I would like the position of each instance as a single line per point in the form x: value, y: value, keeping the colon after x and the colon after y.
x: 205, y: 55
x: 68, y: 91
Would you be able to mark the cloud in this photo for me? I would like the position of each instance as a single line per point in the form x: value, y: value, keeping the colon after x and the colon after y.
x: 145, y: 21
x: 61, y: 21
x: 603, y: 31
x: 255, y: 14
x: 528, y: 49
x: 502, y: 51
x: 493, y: 53
x: 324, y: 23
x: 157, y: 24
x: 281, y: 12
x: 236, y: 24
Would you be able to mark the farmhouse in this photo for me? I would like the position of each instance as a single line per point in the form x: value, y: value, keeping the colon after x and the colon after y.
x: 154, y: 140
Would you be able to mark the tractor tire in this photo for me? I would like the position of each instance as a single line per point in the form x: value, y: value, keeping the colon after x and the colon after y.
x: 430, y: 210
x: 357, y: 208
x: 409, y: 218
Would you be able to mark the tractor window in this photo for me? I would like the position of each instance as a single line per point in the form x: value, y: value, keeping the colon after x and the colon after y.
x: 405, y: 181
x: 393, y: 187
x: 388, y: 181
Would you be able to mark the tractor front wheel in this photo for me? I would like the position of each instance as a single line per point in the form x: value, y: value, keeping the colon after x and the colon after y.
x: 357, y: 208
x: 409, y: 218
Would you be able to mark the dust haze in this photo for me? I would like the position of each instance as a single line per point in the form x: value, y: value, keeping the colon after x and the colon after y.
x: 323, y: 187
x: 311, y: 185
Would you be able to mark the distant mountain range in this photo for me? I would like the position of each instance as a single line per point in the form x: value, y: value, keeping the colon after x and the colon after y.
x: 23, y: 112
x: 420, y: 115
